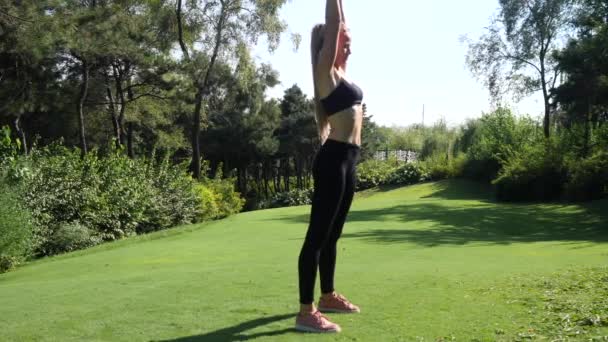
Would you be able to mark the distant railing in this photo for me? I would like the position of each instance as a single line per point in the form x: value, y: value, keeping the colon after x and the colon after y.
x: 400, y: 155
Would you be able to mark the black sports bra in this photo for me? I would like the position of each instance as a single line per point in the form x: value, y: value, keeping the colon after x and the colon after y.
x: 344, y: 96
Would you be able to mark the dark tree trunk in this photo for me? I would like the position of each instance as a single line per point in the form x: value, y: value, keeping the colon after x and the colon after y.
x: 195, y: 165
x: 118, y: 79
x: 130, y: 125
x: 265, y: 176
x: 547, y: 119
x: 203, y: 86
x: 130, y: 152
x: 276, y: 177
x: 80, y: 109
x: 112, y: 110
x: 21, y: 133
x: 286, y: 173
x: 245, y: 185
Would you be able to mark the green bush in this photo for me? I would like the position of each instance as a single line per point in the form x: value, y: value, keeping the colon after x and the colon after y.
x: 371, y: 173
x: 16, y: 230
x: 406, y: 174
x: 70, y: 237
x: 12, y: 168
x: 536, y: 173
x: 175, y: 200
x: 290, y: 198
x: 114, y: 196
x: 209, y: 203
x: 229, y: 201
x: 588, y: 178
x: 494, y: 138
x: 218, y: 199
x: 439, y: 167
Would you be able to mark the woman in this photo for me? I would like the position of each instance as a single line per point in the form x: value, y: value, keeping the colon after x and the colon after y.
x: 338, y: 106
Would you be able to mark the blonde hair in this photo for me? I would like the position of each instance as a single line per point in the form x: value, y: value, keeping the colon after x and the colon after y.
x: 316, y: 43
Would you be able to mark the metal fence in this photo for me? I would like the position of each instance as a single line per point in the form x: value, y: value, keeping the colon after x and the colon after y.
x: 400, y: 155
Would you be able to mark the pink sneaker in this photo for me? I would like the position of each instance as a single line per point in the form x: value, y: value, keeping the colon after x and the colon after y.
x: 316, y: 322
x: 337, y: 303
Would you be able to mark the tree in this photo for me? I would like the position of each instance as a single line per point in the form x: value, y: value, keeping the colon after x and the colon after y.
x: 212, y: 29
x: 371, y: 136
x: 297, y: 135
x: 26, y: 73
x: 584, y: 61
x: 515, y: 54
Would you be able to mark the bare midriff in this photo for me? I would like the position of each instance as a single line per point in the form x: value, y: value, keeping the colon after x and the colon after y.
x: 346, y: 125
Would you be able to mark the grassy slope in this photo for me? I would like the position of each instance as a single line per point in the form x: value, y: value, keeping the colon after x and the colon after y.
x: 418, y: 260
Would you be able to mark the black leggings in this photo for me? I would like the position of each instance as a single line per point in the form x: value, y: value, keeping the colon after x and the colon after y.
x: 334, y: 174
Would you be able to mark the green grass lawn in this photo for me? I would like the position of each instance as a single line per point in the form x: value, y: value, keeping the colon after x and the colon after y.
x: 437, y: 261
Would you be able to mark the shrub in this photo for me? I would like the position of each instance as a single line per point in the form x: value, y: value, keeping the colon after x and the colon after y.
x: 209, y: 203
x: 290, y: 198
x: 228, y: 200
x: 536, y: 173
x: 588, y: 178
x: 496, y: 137
x: 439, y: 167
x: 175, y: 199
x: 16, y: 230
x: 70, y: 237
x: 371, y: 173
x: 114, y: 196
x: 406, y: 174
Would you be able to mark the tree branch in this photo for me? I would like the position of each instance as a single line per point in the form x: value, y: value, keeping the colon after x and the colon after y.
x: 556, y: 73
x: 14, y: 17
x: 180, y: 32
x: 521, y: 60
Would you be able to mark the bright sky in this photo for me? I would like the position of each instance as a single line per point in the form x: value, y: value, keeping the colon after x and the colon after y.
x: 405, y: 54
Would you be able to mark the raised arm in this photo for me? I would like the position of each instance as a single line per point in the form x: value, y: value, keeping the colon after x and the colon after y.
x: 333, y: 24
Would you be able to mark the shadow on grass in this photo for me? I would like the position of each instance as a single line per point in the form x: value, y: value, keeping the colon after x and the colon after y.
x: 235, y: 333
x: 498, y: 224
x: 482, y: 220
x: 462, y: 189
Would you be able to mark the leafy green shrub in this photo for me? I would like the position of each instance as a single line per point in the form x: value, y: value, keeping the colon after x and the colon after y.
x: 175, y: 199
x: 228, y: 200
x: 439, y: 167
x: 494, y: 138
x: 8, y: 146
x: 70, y: 237
x: 371, y: 173
x: 114, y: 196
x: 12, y: 168
x: 16, y: 230
x: 588, y: 178
x: 536, y: 173
x: 290, y: 198
x: 406, y: 174
x: 209, y: 203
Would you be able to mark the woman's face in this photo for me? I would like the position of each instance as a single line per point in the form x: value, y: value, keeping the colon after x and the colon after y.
x: 344, y: 47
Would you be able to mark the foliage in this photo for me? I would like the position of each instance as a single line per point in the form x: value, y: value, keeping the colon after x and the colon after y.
x: 372, y: 136
x: 227, y: 200
x: 588, y: 178
x: 290, y: 198
x: 497, y: 136
x: 114, y: 196
x: 438, y: 166
x: 536, y: 172
x: 406, y: 174
x: 372, y: 173
x: 70, y: 237
x: 16, y: 229
x: 514, y: 55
